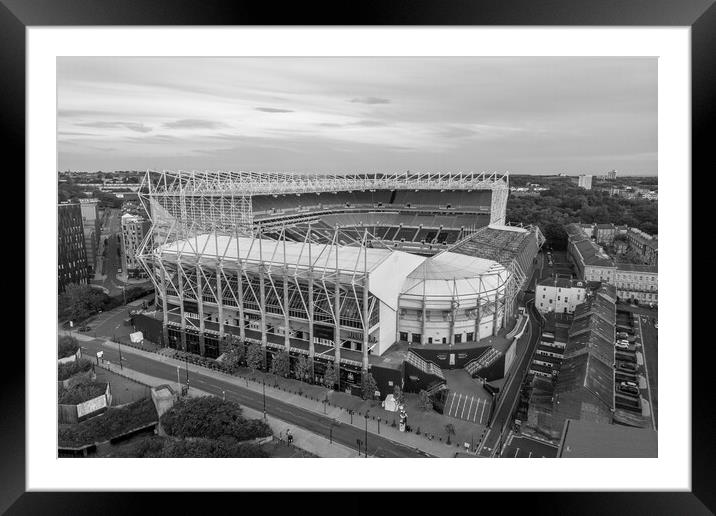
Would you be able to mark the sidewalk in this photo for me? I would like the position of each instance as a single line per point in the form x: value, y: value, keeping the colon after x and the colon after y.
x: 308, y: 441
x: 310, y: 397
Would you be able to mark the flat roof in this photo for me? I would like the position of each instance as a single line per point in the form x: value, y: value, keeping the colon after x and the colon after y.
x: 320, y: 256
x: 583, y: 439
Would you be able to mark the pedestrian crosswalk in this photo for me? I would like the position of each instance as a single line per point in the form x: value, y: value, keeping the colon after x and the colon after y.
x: 467, y: 407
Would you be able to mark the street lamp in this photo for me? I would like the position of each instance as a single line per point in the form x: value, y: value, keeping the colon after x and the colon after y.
x: 359, y: 443
x: 119, y: 345
x: 263, y: 382
x: 186, y: 361
x: 366, y: 433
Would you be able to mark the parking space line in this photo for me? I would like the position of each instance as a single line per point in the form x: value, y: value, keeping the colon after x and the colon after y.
x: 483, y: 411
x: 477, y: 408
x: 457, y: 407
x: 452, y: 400
x: 516, y: 452
x: 463, y: 408
x: 472, y: 400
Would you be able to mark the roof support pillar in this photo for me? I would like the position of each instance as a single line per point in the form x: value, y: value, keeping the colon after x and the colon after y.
x: 200, y: 309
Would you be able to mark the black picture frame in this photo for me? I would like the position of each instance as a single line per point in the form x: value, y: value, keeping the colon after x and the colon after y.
x: 700, y: 15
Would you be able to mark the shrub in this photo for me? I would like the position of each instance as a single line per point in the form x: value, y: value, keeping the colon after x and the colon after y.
x: 65, y: 371
x: 67, y: 346
x: 113, y: 423
x: 162, y: 447
x: 80, y: 392
x: 211, y: 417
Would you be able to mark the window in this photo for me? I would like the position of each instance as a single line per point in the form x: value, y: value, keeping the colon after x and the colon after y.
x: 470, y: 337
x: 458, y: 337
x: 550, y: 301
x: 404, y: 336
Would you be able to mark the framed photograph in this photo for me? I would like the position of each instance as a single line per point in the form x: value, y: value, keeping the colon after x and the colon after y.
x: 422, y: 233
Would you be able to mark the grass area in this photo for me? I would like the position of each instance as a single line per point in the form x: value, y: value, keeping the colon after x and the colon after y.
x: 124, y: 390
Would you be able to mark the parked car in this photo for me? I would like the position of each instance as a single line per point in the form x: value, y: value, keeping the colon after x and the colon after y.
x: 629, y: 384
x: 626, y: 366
x: 622, y: 335
x: 621, y: 345
x: 656, y: 325
x: 84, y: 329
x: 629, y: 390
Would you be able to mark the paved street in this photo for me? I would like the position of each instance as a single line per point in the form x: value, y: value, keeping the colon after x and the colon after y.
x: 344, y: 434
x: 650, y: 348
x: 526, y: 448
x: 507, y: 400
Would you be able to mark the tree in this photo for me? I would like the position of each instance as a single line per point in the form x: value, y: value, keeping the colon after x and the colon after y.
x: 255, y: 357
x: 81, y: 301
x: 368, y: 385
x: 398, y: 395
x: 234, y: 352
x: 281, y: 364
x: 449, y: 430
x: 212, y: 418
x: 424, y: 401
x: 330, y: 377
x: 303, y: 368
x: 67, y: 346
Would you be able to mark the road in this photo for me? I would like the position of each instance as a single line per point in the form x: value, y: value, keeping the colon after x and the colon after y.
x: 501, y: 421
x: 650, y: 349
x: 311, y: 421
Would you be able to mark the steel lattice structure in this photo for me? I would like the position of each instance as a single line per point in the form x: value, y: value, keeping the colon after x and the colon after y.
x: 222, y: 199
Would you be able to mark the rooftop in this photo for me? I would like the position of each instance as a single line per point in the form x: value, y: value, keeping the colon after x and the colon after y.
x: 494, y: 242
x: 582, y: 439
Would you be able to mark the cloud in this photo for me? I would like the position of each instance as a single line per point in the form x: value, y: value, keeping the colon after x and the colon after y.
x: 132, y: 126
x: 193, y: 123
x: 370, y: 100
x: 370, y: 123
x: 273, y: 110
x: 457, y: 132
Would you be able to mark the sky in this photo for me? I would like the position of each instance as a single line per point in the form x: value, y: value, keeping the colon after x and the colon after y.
x: 539, y: 115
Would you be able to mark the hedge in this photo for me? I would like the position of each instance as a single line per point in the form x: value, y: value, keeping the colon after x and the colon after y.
x: 67, y: 346
x: 167, y: 447
x: 113, y: 423
x: 211, y: 417
x: 80, y: 392
x: 65, y: 371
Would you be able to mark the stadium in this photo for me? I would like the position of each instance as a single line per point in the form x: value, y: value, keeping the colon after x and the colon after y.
x: 402, y: 275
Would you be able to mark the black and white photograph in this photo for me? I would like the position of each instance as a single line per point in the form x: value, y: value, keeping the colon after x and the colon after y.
x: 358, y: 257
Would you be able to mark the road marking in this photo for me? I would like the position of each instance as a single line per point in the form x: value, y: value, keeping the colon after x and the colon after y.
x: 530, y: 455
x: 516, y: 452
x: 472, y: 400
x: 457, y: 407
x: 463, y: 407
x: 483, y: 410
x: 452, y: 400
x: 477, y: 408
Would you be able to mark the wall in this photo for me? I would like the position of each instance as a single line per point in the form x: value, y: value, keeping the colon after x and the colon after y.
x: 149, y: 326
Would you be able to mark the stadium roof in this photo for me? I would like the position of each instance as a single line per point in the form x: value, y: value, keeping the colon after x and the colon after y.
x: 275, y: 252
x: 455, y: 275
x: 494, y: 242
x: 584, y: 439
x: 252, y: 183
x: 387, y: 268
